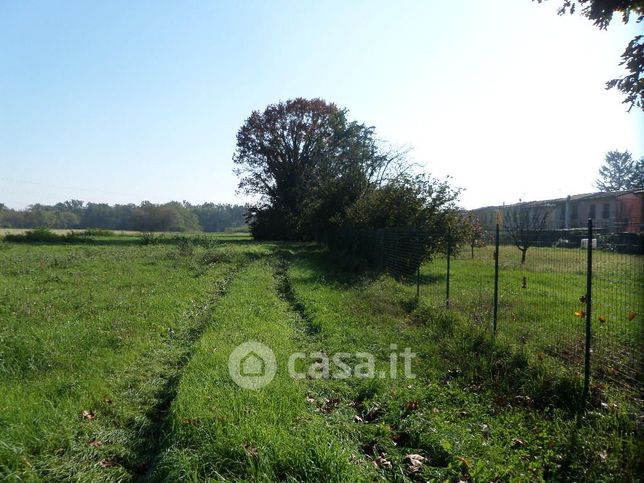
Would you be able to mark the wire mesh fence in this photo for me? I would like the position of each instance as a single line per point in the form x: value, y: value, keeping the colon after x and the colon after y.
x: 574, y: 296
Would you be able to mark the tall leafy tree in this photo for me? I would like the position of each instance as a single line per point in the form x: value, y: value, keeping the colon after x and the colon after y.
x: 306, y: 162
x: 620, y: 172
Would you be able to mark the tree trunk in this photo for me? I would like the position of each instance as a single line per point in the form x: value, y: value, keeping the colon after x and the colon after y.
x: 523, y: 252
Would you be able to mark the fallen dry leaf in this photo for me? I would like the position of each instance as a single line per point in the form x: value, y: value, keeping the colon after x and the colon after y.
x: 372, y: 413
x: 330, y: 405
x: 401, y: 438
x: 516, y: 442
x: 414, y: 462
x: 382, y: 462
x: 631, y: 315
x: 250, y: 450
x: 411, y: 405
x: 89, y: 415
x: 465, y: 465
x: 108, y: 463
x: 96, y: 443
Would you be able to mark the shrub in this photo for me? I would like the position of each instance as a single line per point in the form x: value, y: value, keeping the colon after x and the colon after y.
x: 149, y: 239
x: 44, y: 235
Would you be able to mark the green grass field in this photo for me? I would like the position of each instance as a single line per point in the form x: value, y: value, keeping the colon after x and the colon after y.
x: 539, y: 303
x: 113, y: 367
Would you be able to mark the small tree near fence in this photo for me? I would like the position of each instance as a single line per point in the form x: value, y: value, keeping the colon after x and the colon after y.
x: 524, y: 223
x: 474, y: 233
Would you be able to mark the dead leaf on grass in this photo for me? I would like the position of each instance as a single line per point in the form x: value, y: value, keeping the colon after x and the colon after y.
x: 108, y: 463
x: 414, y: 462
x: 88, y: 414
x: 382, y: 462
x: 411, y: 405
x: 330, y: 405
x: 250, y: 450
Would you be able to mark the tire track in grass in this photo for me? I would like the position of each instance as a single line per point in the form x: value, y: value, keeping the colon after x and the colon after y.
x: 124, y: 443
x: 285, y: 290
x: 220, y: 430
x: 158, y: 415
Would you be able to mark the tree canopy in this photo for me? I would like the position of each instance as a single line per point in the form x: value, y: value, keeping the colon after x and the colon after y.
x: 311, y: 169
x: 173, y: 216
x: 620, y: 172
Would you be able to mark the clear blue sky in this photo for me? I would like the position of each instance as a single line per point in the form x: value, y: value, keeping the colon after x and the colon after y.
x: 123, y: 101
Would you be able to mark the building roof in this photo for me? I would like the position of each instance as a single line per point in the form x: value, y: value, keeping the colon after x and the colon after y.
x: 584, y: 196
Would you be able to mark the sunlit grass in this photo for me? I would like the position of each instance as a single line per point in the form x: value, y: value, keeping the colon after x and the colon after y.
x: 113, y: 367
x: 540, y: 302
x: 75, y: 319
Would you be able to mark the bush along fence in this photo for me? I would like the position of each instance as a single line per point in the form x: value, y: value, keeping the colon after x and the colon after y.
x: 575, y: 296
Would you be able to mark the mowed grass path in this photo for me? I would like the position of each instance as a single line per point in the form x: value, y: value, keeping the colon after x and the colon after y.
x: 89, y: 340
x: 473, y: 411
x: 220, y: 430
x: 114, y: 367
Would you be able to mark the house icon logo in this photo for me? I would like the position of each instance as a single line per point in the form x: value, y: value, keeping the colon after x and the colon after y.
x: 252, y: 365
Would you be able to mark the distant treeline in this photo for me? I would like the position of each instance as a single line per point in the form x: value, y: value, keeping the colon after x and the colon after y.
x: 173, y: 216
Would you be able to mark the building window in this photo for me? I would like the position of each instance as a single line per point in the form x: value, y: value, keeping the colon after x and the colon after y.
x: 591, y: 211
x: 606, y: 210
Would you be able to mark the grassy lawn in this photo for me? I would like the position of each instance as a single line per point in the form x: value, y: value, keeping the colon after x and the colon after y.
x: 88, y: 342
x: 538, y: 302
x: 471, y: 411
x: 114, y: 367
x: 219, y: 430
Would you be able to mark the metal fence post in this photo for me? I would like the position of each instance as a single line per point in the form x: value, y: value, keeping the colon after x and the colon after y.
x: 418, y: 254
x: 449, y: 249
x: 589, y: 287
x: 496, y: 278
